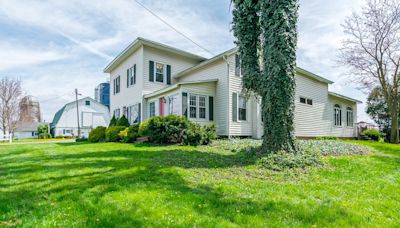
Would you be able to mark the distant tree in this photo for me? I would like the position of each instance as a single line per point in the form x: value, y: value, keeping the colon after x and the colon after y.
x: 10, y: 97
x: 113, y: 122
x: 43, y: 131
x: 266, y: 32
x: 377, y: 109
x: 372, y: 50
x: 123, y: 121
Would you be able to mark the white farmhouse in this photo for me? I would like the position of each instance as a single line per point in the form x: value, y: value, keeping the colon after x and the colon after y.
x: 150, y: 79
x: 91, y: 115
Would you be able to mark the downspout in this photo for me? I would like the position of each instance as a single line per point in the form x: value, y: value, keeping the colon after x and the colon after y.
x: 224, y: 57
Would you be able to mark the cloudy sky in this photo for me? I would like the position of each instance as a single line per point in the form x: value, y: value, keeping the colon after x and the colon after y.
x: 57, y: 46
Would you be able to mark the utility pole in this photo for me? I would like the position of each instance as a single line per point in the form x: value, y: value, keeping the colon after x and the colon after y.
x: 77, y: 112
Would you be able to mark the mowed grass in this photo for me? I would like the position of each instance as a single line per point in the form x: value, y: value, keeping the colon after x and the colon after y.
x: 123, y: 185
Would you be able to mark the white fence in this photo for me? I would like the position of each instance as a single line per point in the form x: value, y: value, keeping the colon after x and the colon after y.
x: 6, y: 138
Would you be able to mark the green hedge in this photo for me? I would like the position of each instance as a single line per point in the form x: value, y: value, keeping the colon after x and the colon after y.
x: 373, y: 134
x: 130, y: 134
x: 112, y: 133
x: 97, y: 135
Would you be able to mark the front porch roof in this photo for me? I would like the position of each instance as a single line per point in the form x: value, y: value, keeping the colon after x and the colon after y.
x: 172, y: 87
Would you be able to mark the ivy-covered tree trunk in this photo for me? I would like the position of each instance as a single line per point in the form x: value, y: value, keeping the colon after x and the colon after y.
x: 266, y: 33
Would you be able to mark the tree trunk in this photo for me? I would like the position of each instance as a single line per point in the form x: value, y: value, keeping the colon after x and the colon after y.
x: 394, y: 132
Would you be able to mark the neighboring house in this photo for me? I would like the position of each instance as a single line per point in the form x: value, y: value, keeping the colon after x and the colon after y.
x: 91, y: 115
x: 102, y: 94
x: 150, y: 79
x: 26, y: 130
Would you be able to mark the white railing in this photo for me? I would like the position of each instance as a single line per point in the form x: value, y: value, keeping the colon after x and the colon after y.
x: 7, y: 138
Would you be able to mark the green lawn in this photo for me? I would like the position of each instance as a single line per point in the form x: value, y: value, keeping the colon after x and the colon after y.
x: 107, y: 185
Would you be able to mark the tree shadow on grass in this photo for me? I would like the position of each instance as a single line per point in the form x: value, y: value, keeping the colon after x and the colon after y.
x: 86, y: 179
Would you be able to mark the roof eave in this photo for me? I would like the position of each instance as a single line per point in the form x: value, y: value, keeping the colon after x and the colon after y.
x: 344, y: 97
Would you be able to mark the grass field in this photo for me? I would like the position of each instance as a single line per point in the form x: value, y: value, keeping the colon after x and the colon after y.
x: 108, y: 185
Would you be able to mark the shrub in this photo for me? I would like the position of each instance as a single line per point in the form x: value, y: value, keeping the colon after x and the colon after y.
x: 177, y: 129
x: 81, y: 140
x: 143, y: 127
x: 112, y: 133
x: 373, y: 134
x: 168, y: 129
x: 130, y: 134
x: 123, y: 121
x: 113, y: 122
x: 283, y: 160
x: 44, y: 135
x: 97, y: 135
x: 327, y: 138
x: 332, y: 147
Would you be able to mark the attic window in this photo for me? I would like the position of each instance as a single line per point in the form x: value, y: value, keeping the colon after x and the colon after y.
x: 87, y: 103
x: 304, y: 100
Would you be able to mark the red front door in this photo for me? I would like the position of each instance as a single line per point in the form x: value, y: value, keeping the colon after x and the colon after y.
x: 161, y: 106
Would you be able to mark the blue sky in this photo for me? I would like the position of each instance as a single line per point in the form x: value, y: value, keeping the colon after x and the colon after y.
x: 57, y: 46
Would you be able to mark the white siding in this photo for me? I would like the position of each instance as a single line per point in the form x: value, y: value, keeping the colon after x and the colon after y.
x: 217, y: 70
x: 344, y: 130
x: 133, y: 94
x: 178, y: 64
x: 238, y: 128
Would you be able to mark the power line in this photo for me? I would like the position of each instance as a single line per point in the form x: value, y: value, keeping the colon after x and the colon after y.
x: 173, y: 28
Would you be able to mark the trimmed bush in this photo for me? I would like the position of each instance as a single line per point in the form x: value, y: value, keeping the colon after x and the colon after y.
x: 123, y: 121
x: 44, y: 135
x: 373, y: 134
x: 113, y: 122
x: 143, y: 128
x: 112, y: 133
x: 177, y: 129
x: 130, y: 134
x: 97, y: 135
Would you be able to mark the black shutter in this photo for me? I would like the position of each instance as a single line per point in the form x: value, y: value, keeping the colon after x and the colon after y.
x: 184, y: 104
x: 168, y: 74
x: 127, y: 78
x: 134, y: 75
x: 151, y: 71
x: 211, y: 108
x: 114, y: 86
x: 234, y: 107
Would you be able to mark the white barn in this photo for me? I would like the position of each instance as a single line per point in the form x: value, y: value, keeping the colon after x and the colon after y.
x: 91, y: 115
x: 150, y: 79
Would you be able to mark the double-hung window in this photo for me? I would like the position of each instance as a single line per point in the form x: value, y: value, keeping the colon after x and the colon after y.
x: 159, y: 72
x: 152, y: 109
x: 242, y: 108
x: 117, y: 85
x: 131, y: 76
x: 193, y: 106
x: 202, y: 107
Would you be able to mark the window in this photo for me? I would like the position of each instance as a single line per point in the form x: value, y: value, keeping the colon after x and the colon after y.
x: 173, y: 105
x: 152, y: 109
x: 349, y: 117
x: 193, y: 106
x: 202, y: 107
x: 159, y: 72
x: 134, y: 113
x: 337, y: 115
x: 238, y: 66
x: 87, y: 103
x: 242, y: 108
x: 117, y: 113
x: 132, y: 75
x: 304, y: 100
x: 117, y: 85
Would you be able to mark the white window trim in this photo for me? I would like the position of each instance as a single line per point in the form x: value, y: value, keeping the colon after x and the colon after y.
x: 340, y: 116
x: 132, y: 75
x: 352, y: 117
x: 155, y: 109
x: 198, y: 119
x: 176, y: 95
x: 164, y: 73
x: 247, y: 113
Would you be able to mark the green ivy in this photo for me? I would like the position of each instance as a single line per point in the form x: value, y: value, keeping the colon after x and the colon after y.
x: 266, y: 32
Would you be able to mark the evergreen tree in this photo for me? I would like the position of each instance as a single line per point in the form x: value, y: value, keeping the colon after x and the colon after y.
x: 113, y: 122
x: 123, y: 121
x: 266, y: 32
